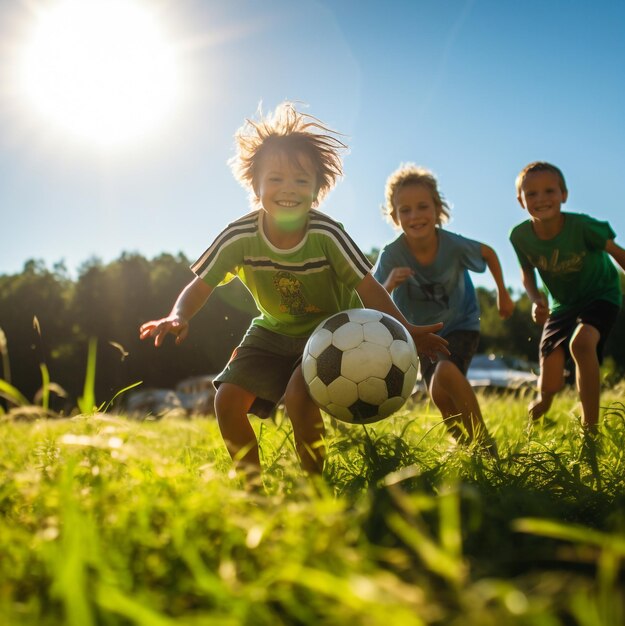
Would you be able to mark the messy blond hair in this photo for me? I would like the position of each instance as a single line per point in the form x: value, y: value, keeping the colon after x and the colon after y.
x: 410, y: 174
x: 293, y: 134
x: 540, y: 166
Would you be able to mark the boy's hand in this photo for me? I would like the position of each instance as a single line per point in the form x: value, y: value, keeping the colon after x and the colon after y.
x: 540, y: 311
x: 397, y: 276
x: 505, y: 304
x: 427, y: 342
x: 159, y: 329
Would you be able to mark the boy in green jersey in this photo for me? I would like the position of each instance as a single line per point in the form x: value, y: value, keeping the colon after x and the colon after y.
x: 572, y: 255
x: 299, y: 265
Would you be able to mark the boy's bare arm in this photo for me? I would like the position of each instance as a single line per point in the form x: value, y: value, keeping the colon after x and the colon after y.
x: 616, y: 252
x: 374, y: 296
x: 191, y: 299
x: 505, y: 304
x: 540, y: 306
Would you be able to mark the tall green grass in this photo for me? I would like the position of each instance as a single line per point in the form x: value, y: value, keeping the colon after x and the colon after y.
x: 109, y: 521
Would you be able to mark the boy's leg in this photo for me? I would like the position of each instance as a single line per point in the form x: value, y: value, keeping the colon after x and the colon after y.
x: 457, y: 402
x: 307, y: 423
x: 232, y: 404
x: 551, y: 380
x: 583, y: 348
x: 452, y: 393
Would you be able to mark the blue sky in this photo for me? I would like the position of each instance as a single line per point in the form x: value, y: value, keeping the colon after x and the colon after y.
x: 473, y: 90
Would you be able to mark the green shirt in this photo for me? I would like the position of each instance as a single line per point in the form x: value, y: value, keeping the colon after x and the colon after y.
x: 574, y: 266
x: 294, y: 289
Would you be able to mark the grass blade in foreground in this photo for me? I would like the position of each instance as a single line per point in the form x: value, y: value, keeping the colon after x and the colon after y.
x: 87, y: 402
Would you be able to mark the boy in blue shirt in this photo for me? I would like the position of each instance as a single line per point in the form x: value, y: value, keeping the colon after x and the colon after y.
x: 426, y: 270
x: 299, y: 265
x: 572, y: 253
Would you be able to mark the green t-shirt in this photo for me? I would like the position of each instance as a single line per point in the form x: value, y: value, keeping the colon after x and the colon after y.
x: 294, y: 289
x: 574, y: 266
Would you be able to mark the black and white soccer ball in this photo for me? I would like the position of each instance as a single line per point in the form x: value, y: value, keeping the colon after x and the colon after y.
x: 360, y: 365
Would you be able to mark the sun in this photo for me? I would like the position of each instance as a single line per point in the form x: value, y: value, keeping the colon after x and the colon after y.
x: 103, y: 71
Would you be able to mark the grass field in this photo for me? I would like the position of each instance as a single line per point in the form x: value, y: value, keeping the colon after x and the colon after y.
x: 106, y: 521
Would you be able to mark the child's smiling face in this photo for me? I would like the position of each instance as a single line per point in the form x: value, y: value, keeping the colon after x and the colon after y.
x: 542, y: 196
x: 415, y: 211
x: 286, y: 188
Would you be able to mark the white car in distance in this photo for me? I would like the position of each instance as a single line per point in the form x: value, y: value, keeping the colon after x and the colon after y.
x: 501, y: 372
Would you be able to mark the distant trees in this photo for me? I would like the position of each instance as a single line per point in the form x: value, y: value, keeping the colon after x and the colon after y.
x: 110, y: 301
x: 44, y: 295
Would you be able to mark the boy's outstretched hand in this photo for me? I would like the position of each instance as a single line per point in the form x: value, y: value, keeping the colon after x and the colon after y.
x: 159, y: 329
x: 427, y: 342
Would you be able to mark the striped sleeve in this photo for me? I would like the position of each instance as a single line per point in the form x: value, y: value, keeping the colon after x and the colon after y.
x: 206, y: 264
x: 321, y: 223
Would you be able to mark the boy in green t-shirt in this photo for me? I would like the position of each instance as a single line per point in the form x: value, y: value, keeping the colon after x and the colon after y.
x: 572, y: 255
x: 299, y: 265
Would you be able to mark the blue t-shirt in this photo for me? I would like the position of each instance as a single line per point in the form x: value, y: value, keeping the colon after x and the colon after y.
x: 441, y: 291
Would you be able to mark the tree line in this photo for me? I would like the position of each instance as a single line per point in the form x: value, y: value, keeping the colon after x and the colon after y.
x: 48, y: 318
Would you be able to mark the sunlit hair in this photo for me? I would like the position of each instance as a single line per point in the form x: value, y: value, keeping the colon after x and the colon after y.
x: 540, y: 166
x: 410, y: 174
x: 294, y: 134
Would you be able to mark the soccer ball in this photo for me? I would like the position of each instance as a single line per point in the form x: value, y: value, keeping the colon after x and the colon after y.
x: 360, y: 365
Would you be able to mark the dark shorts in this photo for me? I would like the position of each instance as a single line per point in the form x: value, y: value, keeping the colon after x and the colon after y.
x: 462, y: 345
x: 558, y: 329
x: 262, y: 364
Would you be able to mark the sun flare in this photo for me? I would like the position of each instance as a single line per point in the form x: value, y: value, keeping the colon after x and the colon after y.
x: 101, y: 70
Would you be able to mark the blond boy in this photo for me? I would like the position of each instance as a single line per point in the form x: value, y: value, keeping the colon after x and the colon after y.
x: 299, y: 265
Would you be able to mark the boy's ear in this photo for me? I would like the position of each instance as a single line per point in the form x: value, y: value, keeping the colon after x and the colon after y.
x: 520, y: 199
x: 565, y: 195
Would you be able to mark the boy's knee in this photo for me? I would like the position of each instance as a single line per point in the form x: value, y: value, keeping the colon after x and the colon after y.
x: 584, y: 341
x: 220, y: 398
x: 223, y: 395
x: 551, y: 379
x: 437, y: 389
x: 439, y: 392
x: 230, y: 399
x: 298, y: 402
x: 443, y: 377
x: 445, y: 370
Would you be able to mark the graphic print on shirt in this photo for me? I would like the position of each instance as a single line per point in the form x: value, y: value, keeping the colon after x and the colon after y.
x: 555, y: 266
x: 435, y: 292
x: 292, y: 299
